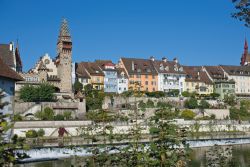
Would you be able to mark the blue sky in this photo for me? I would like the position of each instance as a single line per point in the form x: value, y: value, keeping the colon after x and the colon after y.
x: 197, y: 33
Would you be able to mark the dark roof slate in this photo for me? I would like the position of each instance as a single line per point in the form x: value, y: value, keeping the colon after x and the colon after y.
x: 6, y: 55
x: 237, y: 70
x: 7, y: 72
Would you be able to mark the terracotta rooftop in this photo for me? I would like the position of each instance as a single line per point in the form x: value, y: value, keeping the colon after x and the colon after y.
x: 91, y: 68
x: 139, y: 66
x: 216, y: 72
x: 7, y: 72
x: 81, y: 71
x: 196, y: 74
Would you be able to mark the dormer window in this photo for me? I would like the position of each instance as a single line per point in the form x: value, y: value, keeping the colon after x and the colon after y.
x: 161, y: 67
x: 181, y: 69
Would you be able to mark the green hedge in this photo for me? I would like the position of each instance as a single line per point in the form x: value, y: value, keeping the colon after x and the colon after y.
x: 41, y: 93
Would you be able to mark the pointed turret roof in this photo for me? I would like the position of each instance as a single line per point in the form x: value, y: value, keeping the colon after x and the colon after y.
x: 64, y: 30
x: 64, y: 34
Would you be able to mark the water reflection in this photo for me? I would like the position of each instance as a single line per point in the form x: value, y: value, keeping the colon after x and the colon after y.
x: 217, y: 156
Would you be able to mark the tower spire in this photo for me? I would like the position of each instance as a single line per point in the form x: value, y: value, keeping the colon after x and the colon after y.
x: 64, y: 34
x: 245, y: 54
x: 246, y: 45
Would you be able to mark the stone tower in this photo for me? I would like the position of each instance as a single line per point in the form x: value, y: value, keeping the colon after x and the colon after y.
x: 64, y: 58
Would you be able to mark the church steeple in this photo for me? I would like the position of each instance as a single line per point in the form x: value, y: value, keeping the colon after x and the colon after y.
x: 245, y: 56
x: 246, y: 46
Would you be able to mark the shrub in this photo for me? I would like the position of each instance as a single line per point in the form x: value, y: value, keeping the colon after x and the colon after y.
x: 191, y: 103
x: 214, y: 95
x: 156, y: 94
x: 40, y: 133
x: 18, y: 117
x: 185, y: 94
x: 188, y: 114
x: 153, y: 130
x: 142, y: 104
x: 150, y: 104
x: 46, y: 114
x: 204, y: 104
x: 28, y: 93
x: 43, y: 92
x: 59, y: 117
x: 173, y: 93
x: 67, y: 115
x: 31, y: 134
x: 212, y: 116
x: 164, y: 105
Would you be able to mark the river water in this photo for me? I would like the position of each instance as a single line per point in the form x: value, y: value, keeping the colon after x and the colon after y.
x: 236, y: 155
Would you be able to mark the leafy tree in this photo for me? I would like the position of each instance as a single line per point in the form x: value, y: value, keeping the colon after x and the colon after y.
x: 242, y: 11
x: 188, y: 114
x: 230, y: 99
x: 7, y: 146
x: 191, y: 103
x: 88, y: 89
x: 94, y: 98
x: 78, y: 86
x: 163, y: 150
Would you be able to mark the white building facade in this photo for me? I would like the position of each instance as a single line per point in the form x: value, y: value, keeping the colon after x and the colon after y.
x: 241, y: 76
x: 122, y: 81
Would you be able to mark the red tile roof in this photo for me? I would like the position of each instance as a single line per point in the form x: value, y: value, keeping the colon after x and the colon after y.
x: 196, y: 74
x: 139, y: 66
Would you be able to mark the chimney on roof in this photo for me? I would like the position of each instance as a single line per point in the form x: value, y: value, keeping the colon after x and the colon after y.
x: 11, y: 46
x: 198, y: 74
x: 164, y: 59
x: 175, y: 60
x: 152, y: 58
x: 133, y: 66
